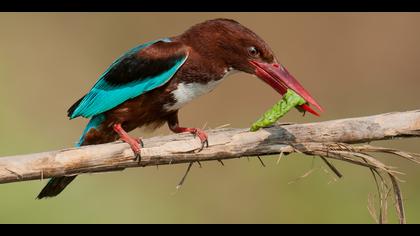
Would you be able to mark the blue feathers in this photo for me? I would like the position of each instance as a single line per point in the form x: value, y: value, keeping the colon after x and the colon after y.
x: 93, y: 123
x: 106, y: 95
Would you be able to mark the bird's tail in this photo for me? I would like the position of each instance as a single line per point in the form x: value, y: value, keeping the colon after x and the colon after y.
x: 57, y: 184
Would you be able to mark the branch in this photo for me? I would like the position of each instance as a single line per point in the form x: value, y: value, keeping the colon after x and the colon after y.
x: 330, y: 139
x: 311, y: 138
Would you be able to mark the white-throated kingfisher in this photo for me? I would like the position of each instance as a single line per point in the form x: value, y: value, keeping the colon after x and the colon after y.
x: 149, y: 84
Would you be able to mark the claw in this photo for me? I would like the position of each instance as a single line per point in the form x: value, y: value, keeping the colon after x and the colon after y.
x: 204, y: 144
x: 201, y: 148
x: 174, y: 126
x: 135, y: 144
x: 203, y: 138
x: 137, y: 157
x: 140, y: 141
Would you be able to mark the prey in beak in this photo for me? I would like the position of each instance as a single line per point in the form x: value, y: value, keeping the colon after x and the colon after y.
x: 281, y: 80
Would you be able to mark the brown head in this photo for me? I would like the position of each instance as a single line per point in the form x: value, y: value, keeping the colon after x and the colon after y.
x: 231, y: 44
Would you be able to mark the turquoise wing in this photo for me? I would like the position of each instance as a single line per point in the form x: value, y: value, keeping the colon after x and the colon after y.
x: 138, y: 71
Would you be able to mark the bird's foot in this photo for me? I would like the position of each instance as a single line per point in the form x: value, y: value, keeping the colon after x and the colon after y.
x: 196, y: 132
x: 202, y: 136
x: 135, y: 143
x: 174, y: 126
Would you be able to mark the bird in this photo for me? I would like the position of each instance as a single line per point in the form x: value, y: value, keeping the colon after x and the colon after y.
x: 148, y: 84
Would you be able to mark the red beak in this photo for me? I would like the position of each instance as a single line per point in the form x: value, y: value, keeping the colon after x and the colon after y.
x: 280, y: 79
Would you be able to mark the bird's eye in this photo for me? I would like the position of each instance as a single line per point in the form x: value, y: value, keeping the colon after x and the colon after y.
x: 253, y: 52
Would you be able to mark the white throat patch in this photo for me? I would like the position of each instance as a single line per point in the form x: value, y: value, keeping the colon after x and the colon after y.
x: 186, y: 92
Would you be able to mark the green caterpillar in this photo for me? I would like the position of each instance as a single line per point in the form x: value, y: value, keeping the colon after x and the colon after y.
x: 288, y: 101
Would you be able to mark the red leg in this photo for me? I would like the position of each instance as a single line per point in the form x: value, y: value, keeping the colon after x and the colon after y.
x: 174, y: 126
x: 135, y: 144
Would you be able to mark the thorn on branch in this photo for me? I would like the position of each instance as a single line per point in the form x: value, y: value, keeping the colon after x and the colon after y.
x: 279, y: 159
x: 332, y: 167
x: 221, y: 162
x: 185, y: 176
x: 262, y: 163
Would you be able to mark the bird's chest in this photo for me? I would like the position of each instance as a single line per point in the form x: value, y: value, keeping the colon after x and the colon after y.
x: 185, y: 92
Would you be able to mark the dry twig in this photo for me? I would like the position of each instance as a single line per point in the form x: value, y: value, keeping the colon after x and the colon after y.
x: 330, y: 140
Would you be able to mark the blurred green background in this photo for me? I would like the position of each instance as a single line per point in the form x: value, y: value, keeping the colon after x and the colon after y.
x: 355, y: 64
